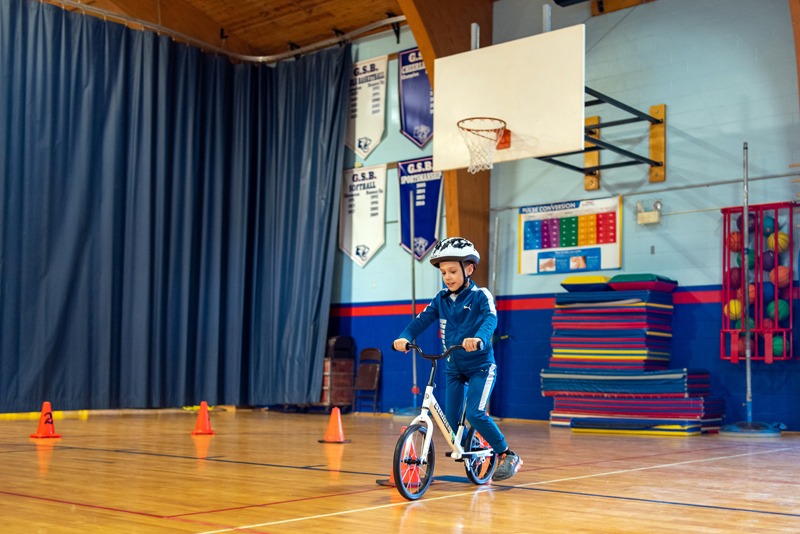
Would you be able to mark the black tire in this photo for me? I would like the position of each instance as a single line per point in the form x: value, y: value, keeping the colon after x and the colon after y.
x: 412, y: 475
x: 480, y: 469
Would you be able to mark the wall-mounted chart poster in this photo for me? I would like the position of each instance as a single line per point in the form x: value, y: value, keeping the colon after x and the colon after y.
x: 571, y: 237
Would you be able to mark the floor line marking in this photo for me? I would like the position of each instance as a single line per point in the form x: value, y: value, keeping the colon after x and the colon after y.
x: 653, y: 467
x: 521, y: 486
x: 621, y: 459
x: 218, y: 459
x: 662, y: 502
x: 277, y: 502
x: 81, y: 504
x: 119, y: 510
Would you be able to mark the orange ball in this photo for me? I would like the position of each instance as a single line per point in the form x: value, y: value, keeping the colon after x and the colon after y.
x: 781, y: 276
x: 735, y: 242
x: 743, y: 346
x: 751, y: 294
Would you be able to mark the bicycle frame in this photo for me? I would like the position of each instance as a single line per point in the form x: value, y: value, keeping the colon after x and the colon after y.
x: 453, y: 438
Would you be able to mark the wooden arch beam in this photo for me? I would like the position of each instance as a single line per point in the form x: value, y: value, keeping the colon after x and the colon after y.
x: 442, y: 28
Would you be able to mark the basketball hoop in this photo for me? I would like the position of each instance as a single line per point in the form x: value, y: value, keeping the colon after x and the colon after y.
x: 482, y: 134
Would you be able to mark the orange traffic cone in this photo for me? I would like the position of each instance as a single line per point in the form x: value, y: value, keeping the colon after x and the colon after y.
x: 335, y: 434
x: 390, y: 481
x: 46, y: 428
x: 408, y: 473
x: 203, y: 425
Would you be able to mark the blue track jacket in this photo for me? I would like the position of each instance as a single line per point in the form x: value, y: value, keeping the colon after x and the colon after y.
x: 473, y: 314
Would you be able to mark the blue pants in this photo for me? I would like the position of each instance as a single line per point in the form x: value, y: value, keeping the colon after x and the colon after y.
x: 479, y: 385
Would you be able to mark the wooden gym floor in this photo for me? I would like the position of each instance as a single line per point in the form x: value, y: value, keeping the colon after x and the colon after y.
x: 265, y: 472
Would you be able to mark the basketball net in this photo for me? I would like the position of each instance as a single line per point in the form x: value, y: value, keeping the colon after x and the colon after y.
x: 482, y: 134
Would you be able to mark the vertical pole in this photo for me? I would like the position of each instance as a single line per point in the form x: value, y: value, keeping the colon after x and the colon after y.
x: 475, y: 36
x: 494, y: 255
x: 546, y: 18
x: 414, y: 389
x: 746, y: 286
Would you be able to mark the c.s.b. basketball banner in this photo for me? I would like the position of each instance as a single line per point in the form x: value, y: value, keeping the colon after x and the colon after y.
x: 417, y: 176
x: 416, y: 98
x: 367, y: 109
x: 361, y: 212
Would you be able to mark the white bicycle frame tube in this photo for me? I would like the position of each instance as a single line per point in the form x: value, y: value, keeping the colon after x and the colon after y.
x: 453, y: 438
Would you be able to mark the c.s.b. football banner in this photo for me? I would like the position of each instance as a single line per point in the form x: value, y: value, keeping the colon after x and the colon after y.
x: 416, y: 98
x: 417, y: 176
x: 367, y: 109
x: 361, y: 212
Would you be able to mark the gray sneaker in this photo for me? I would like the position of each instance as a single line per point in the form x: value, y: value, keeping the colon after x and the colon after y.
x: 509, y: 465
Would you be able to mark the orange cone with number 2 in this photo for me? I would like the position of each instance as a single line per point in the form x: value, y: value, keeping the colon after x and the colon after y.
x: 46, y: 428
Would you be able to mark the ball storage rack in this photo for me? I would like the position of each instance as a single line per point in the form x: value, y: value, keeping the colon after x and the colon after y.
x: 763, y: 335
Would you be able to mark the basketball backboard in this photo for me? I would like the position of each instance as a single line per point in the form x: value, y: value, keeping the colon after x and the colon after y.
x: 535, y: 85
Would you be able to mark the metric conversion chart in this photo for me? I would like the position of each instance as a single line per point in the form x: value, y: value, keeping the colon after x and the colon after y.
x: 572, y: 236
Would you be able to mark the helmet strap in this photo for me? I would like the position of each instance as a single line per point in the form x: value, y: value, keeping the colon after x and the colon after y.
x: 466, y: 280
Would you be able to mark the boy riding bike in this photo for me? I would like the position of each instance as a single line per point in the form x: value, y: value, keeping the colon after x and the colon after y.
x: 467, y: 316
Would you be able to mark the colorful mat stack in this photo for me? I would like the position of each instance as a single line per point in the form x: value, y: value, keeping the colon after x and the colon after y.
x: 624, y: 331
x: 705, y: 411
x: 609, y: 368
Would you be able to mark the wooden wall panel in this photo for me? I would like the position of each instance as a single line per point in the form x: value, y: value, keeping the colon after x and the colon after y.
x: 442, y: 28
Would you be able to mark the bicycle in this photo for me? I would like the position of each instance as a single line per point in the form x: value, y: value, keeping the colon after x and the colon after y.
x: 414, y: 460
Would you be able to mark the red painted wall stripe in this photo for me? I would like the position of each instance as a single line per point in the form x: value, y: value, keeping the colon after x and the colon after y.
x: 536, y: 303
x: 373, y: 311
x: 542, y: 303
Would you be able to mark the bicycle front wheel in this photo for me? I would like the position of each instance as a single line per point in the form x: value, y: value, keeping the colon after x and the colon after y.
x: 412, y: 473
x: 479, y: 469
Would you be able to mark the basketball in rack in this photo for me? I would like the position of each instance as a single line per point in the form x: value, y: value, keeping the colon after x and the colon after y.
x: 483, y: 135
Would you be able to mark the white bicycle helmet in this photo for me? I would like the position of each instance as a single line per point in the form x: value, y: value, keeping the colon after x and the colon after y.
x: 456, y: 249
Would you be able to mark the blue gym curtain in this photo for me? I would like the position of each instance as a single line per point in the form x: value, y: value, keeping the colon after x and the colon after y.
x: 167, y: 218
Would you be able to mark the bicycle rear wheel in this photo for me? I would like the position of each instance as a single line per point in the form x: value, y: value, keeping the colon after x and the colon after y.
x: 479, y: 469
x: 412, y: 473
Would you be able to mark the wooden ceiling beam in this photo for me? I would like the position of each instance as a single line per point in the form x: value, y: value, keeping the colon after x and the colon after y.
x: 180, y: 16
x: 441, y: 28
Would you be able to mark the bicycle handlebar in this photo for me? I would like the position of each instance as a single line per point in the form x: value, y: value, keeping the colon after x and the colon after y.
x: 411, y: 346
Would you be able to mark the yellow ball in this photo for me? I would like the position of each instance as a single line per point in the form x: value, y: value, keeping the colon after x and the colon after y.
x: 733, y: 309
x: 783, y: 242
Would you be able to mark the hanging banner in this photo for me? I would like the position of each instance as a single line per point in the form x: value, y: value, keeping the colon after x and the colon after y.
x: 367, y: 105
x: 361, y: 212
x: 417, y: 176
x: 416, y: 98
x: 572, y: 236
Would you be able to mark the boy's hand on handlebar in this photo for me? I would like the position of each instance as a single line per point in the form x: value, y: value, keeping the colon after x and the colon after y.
x: 400, y: 344
x: 471, y: 343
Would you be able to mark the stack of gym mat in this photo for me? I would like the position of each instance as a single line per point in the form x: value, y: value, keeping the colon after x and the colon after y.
x: 609, y: 367
x: 669, y: 384
x: 625, y: 331
x: 707, y: 411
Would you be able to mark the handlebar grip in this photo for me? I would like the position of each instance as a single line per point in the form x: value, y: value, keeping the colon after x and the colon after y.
x: 480, y: 345
x: 408, y: 347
